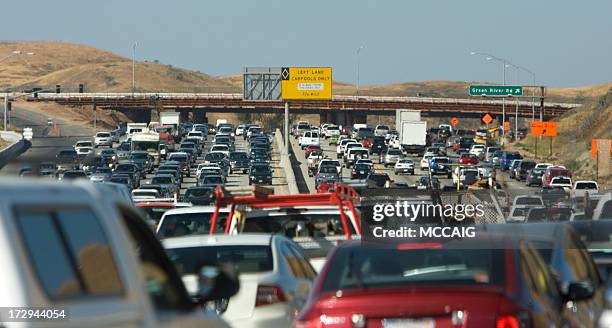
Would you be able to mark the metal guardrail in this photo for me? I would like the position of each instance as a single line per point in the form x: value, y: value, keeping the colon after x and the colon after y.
x: 238, y: 96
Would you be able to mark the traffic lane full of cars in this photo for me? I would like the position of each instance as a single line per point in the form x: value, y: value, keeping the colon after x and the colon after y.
x: 504, y: 277
x: 238, y: 177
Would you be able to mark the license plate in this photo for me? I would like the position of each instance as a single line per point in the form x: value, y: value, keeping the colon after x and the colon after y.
x: 260, y: 181
x: 361, y: 172
x: 408, y: 323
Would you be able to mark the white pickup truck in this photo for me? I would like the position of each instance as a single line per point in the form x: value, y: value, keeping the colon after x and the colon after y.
x: 581, y: 187
x: 84, y: 254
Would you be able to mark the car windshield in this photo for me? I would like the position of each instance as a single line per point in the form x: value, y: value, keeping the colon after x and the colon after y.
x: 198, y: 192
x: 214, y: 156
x: 103, y: 135
x: 441, y: 160
x: 328, y: 170
x: 295, y: 224
x: 179, y: 158
x: 362, y: 167
x: 139, y: 155
x: 405, y: 161
x: 125, y: 168
x: 372, y: 267
x: 243, y: 258
x: 527, y: 165
x: 596, y: 235
x: 586, y: 185
x: 562, y: 180
x: 260, y: 169
x: 161, y: 180
x: 122, y: 180
x: 198, y: 223
x: 528, y: 201
x: 75, y: 174
x: 212, y: 180
x: 396, y: 152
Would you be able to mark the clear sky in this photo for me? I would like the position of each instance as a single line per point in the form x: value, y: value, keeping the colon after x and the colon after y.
x: 566, y: 42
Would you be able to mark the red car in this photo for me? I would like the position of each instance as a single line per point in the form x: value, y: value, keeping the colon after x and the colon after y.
x: 468, y: 159
x: 345, y: 131
x: 469, y: 282
x: 311, y: 149
x: 367, y: 143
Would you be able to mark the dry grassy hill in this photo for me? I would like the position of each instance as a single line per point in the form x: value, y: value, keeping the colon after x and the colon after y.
x: 100, y: 70
x: 49, y: 57
x: 572, y: 147
x: 117, y: 77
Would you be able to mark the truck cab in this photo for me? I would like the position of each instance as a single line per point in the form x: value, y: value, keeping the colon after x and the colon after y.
x: 84, y: 252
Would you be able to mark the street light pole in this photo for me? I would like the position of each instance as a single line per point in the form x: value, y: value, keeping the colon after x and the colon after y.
x: 133, y: 69
x: 358, y: 51
x: 504, y: 105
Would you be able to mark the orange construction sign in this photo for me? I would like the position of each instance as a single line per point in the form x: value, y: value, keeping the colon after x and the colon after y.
x: 544, y: 129
x: 594, y: 143
x: 487, y: 119
x: 454, y: 121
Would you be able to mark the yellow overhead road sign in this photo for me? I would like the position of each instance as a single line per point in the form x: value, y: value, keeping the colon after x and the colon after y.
x: 304, y: 83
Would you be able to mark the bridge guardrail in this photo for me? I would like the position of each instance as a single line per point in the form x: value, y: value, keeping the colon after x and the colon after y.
x: 238, y: 96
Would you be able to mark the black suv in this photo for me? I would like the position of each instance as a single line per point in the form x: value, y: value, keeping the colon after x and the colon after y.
x: 378, y: 145
x: 239, y: 161
x: 260, y: 174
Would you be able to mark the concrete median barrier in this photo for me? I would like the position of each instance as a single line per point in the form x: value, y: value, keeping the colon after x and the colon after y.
x: 285, y: 163
x: 17, y: 146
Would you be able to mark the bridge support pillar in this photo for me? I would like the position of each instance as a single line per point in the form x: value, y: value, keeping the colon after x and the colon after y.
x: 340, y: 117
x: 326, y: 117
x: 199, y: 116
x: 359, y: 118
x: 183, y: 114
x: 137, y: 115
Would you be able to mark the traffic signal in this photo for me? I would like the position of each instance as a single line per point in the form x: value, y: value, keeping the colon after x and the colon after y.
x: 81, y: 88
x: 58, y: 88
x: 9, y: 106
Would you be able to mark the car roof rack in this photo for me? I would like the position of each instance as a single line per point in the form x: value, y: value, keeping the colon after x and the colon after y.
x: 259, y: 197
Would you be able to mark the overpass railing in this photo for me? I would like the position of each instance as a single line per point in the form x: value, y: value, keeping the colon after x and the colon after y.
x: 238, y: 97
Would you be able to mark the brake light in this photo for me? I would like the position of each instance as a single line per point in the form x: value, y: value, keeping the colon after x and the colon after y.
x: 267, y: 295
x: 507, y: 321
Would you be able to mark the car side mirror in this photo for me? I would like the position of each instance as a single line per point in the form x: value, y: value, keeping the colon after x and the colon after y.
x: 217, y: 282
x: 579, y: 291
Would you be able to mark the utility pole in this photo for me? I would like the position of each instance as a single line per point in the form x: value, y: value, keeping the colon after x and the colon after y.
x: 286, y: 128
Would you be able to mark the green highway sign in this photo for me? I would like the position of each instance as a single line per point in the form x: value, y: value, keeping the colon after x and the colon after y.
x: 496, y: 90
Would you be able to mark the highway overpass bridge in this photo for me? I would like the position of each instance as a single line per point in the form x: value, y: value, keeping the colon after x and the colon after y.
x: 341, y: 109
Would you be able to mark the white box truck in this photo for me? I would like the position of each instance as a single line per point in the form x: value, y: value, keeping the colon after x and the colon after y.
x: 406, y: 115
x: 170, y: 118
x: 413, y: 136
